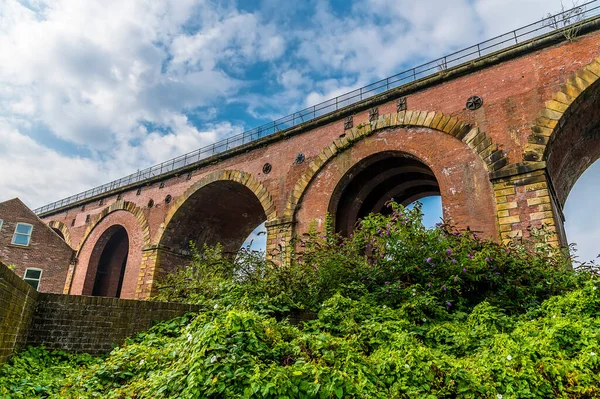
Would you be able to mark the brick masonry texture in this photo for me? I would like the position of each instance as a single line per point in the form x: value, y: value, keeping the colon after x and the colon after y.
x: 17, y: 305
x: 46, y: 251
x: 72, y: 323
x: 502, y: 168
x: 94, y: 324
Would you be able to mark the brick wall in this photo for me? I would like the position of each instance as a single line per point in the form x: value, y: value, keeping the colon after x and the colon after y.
x: 94, y: 324
x: 46, y: 250
x: 69, y: 322
x: 17, y: 304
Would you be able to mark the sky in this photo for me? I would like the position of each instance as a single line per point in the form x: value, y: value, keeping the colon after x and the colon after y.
x: 94, y: 90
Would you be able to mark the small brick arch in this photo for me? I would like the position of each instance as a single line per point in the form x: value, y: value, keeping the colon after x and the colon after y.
x: 493, y: 158
x: 118, y: 206
x: 246, y: 179
x: 556, y: 112
x: 60, y: 226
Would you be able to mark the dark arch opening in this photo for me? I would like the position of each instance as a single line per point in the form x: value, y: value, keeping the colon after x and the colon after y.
x: 375, y: 180
x: 110, y: 255
x: 60, y: 233
x: 572, y: 149
x: 224, y: 212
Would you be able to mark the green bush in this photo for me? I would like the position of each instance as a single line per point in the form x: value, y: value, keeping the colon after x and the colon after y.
x: 401, y: 312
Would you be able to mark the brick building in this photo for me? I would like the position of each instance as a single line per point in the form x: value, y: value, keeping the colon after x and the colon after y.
x: 38, y: 252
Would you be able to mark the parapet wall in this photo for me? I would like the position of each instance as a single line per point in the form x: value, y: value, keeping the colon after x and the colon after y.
x: 69, y: 322
x: 17, y: 306
x: 94, y: 325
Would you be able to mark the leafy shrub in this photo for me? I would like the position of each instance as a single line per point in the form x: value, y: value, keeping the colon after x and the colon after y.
x: 38, y: 373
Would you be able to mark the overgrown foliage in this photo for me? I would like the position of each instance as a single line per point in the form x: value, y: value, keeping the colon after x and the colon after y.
x: 401, y: 312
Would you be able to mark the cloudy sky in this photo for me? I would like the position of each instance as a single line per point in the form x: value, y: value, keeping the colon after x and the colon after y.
x: 93, y: 90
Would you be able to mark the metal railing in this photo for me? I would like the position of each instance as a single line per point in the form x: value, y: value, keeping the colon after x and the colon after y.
x: 567, y: 19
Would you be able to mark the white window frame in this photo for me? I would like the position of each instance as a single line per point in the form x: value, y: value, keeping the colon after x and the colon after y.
x: 39, y: 280
x: 1, y: 221
x: 22, y: 234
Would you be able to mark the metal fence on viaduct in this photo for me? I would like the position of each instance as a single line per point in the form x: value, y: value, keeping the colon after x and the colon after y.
x: 501, y: 131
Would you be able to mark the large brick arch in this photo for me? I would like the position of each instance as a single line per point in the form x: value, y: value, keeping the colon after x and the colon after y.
x: 493, y: 158
x: 461, y: 177
x: 120, y: 215
x: 246, y: 179
x: 563, y: 137
x: 558, y: 110
x: 64, y: 230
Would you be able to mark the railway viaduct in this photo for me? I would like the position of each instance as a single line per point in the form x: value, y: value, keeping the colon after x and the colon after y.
x: 500, y: 131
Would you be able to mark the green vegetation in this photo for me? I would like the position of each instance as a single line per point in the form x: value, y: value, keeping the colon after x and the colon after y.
x: 400, y: 312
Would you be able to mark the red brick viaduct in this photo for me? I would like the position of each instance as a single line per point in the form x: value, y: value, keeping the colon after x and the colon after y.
x: 505, y: 162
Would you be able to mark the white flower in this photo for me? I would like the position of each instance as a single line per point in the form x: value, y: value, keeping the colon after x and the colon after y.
x: 384, y: 306
x: 216, y: 306
x: 141, y: 362
x: 592, y: 353
x: 554, y: 316
x: 189, y: 337
x: 499, y: 396
x: 509, y: 357
x: 213, y: 359
x: 594, y: 288
x: 414, y: 294
x: 424, y: 320
x: 406, y: 365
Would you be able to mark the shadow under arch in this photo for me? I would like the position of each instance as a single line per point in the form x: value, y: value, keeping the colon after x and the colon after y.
x: 369, y: 184
x: 223, y: 207
x: 108, y: 263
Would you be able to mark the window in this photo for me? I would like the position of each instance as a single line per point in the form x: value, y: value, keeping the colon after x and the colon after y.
x: 33, y: 277
x: 1, y: 224
x: 22, y: 234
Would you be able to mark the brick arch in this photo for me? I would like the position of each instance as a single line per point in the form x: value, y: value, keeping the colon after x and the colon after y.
x: 246, y: 179
x: 119, y: 215
x: 60, y: 226
x: 558, y: 110
x: 118, y: 206
x: 493, y: 158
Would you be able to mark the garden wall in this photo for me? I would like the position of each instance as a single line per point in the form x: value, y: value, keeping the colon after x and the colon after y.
x: 70, y: 322
x: 17, y: 306
x: 92, y: 324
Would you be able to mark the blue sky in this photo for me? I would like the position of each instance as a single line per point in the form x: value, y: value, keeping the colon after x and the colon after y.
x: 93, y: 90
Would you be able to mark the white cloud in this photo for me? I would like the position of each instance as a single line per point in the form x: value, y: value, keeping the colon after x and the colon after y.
x: 33, y: 172
x: 384, y: 37
x: 96, y: 74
